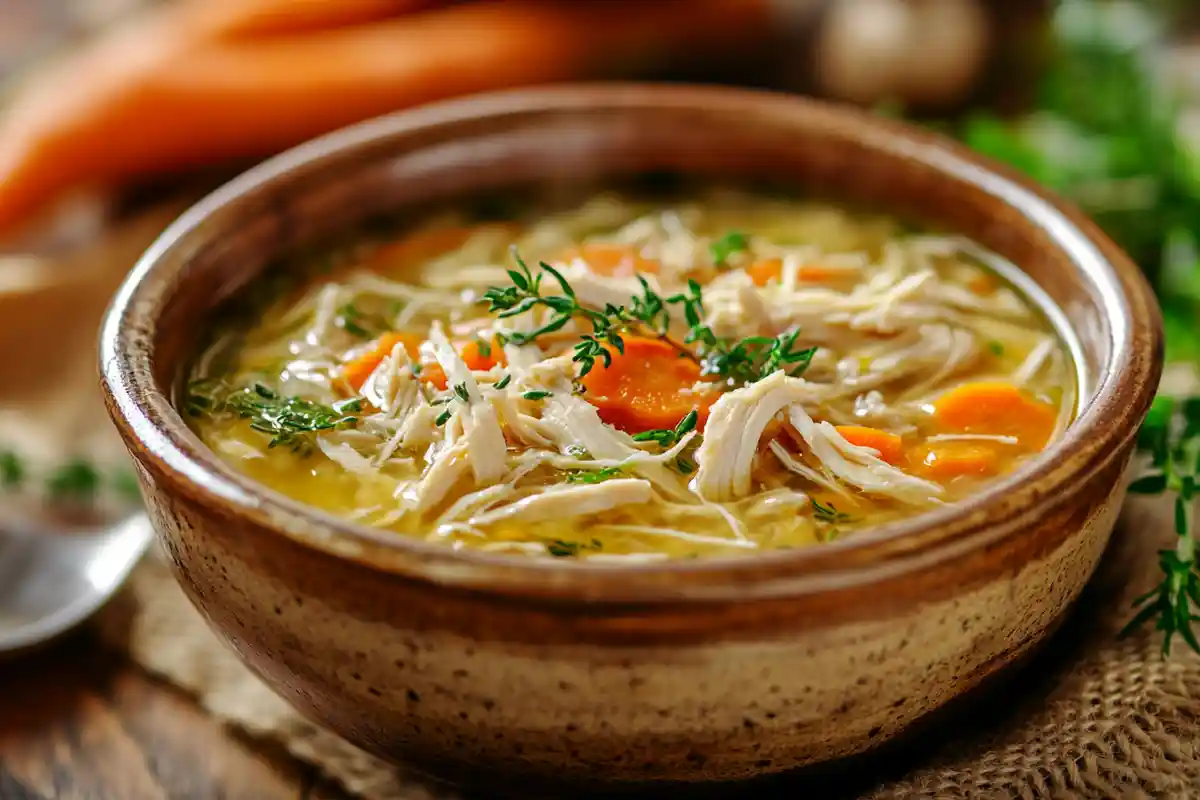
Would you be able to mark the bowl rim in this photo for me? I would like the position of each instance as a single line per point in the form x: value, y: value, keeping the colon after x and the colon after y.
x: 157, y: 435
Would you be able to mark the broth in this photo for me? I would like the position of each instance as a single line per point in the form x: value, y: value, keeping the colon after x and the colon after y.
x: 636, y: 378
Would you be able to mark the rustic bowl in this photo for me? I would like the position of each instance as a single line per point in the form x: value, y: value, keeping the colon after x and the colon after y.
x: 693, y: 672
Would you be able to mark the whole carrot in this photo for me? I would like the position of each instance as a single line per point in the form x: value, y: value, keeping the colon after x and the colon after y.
x: 163, y: 94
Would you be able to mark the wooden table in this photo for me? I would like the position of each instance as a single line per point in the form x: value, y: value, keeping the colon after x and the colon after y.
x: 77, y: 721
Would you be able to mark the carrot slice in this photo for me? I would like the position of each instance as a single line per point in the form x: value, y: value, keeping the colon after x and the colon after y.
x: 478, y: 355
x: 647, y: 387
x: 766, y: 270
x: 982, y: 284
x: 947, y: 460
x: 612, y: 260
x: 433, y: 373
x: 997, y: 409
x: 888, y: 445
x: 356, y: 372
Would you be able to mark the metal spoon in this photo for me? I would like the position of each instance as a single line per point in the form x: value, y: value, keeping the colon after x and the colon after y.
x: 52, y: 581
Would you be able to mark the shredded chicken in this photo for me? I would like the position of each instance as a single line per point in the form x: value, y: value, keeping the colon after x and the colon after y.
x: 481, y: 427
x: 735, y: 426
x: 563, y: 502
x: 859, y: 467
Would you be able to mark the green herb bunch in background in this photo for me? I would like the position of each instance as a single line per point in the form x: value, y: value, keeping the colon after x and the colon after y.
x: 1104, y: 132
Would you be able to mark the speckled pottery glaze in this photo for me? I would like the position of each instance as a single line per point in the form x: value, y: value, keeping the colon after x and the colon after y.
x: 694, y: 672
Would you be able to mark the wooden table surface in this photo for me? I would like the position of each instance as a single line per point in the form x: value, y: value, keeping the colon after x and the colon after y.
x: 80, y: 723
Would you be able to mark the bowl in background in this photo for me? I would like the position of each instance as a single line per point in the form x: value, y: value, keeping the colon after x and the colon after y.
x: 694, y: 671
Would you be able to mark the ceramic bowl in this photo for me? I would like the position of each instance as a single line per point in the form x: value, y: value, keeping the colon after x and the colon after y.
x: 700, y: 671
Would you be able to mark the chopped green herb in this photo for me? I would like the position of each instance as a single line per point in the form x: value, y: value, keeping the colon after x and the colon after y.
x: 684, y: 466
x: 561, y: 548
x: 996, y: 348
x: 444, y: 417
x: 725, y: 246
x: 593, y: 476
x: 352, y: 320
x: 460, y: 389
x: 287, y: 420
x: 484, y: 348
x: 537, y: 395
x: 351, y: 406
x: 828, y: 514
x: 503, y: 382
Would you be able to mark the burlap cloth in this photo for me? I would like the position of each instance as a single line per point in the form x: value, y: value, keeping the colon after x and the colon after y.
x: 1090, y: 717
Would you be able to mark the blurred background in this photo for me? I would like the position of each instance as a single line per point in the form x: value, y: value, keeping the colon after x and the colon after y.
x: 114, y: 114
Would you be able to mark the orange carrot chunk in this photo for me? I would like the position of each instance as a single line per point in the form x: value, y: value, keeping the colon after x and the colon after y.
x: 647, y: 387
x: 481, y: 355
x: 612, y: 260
x: 770, y: 270
x: 888, y: 445
x: 947, y: 460
x: 765, y: 271
x: 356, y: 372
x: 982, y: 284
x: 433, y: 373
x: 997, y: 409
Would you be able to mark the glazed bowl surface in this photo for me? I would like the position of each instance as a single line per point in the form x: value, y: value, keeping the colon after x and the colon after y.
x: 693, y: 671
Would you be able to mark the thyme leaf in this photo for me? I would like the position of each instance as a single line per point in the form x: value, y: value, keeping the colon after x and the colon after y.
x: 828, y: 513
x: 562, y: 548
x: 668, y: 437
x: 722, y: 248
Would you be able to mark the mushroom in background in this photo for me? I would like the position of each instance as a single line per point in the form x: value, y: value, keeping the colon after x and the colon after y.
x: 923, y: 52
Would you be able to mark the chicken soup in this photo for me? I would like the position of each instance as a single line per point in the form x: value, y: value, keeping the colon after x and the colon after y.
x: 636, y: 379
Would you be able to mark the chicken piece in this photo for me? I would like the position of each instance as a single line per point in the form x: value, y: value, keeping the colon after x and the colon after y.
x: 571, y: 501
x: 735, y: 426
x: 481, y: 427
x: 857, y: 466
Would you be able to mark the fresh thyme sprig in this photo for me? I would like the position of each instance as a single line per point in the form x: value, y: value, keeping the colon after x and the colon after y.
x: 1171, y: 436
x: 744, y: 361
x: 669, y: 437
x: 646, y: 315
x: 739, y: 362
x: 289, y: 421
